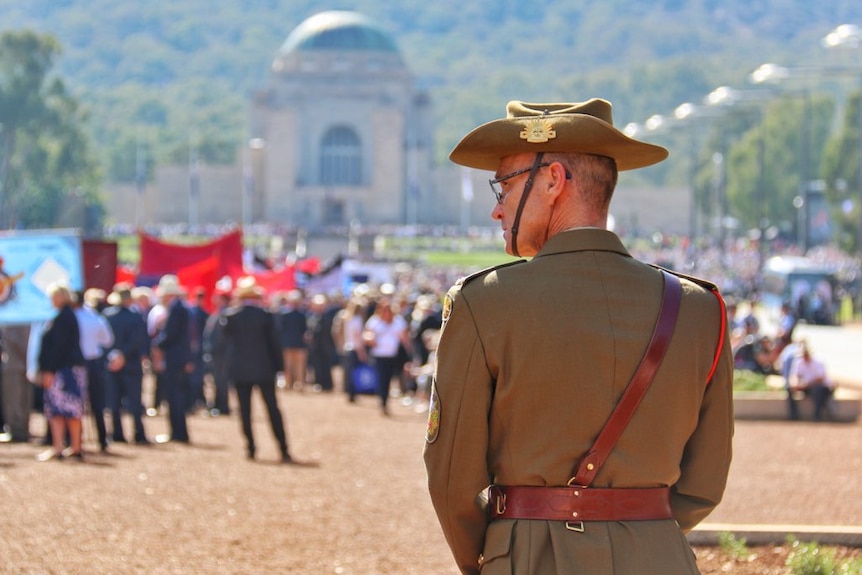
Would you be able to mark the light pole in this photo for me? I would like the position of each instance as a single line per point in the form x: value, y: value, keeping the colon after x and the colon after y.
x: 140, y: 180
x: 773, y: 74
x: 194, y: 186
x: 682, y: 113
x: 725, y: 97
x: 4, y: 165
x: 252, y: 166
x: 845, y: 35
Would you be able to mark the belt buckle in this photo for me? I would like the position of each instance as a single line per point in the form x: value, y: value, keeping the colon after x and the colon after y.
x: 500, y: 503
x: 497, y: 498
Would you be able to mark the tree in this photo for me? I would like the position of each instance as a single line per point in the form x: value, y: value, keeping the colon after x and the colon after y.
x: 841, y: 172
x: 47, y: 175
x: 769, y: 164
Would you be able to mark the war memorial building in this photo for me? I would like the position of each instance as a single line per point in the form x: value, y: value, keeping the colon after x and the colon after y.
x: 340, y: 135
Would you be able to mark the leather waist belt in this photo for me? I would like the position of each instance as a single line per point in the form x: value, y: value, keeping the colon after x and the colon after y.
x: 576, y: 504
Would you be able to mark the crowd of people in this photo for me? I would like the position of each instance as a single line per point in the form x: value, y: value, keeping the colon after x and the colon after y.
x: 781, y: 354
x: 96, y: 356
x: 360, y: 343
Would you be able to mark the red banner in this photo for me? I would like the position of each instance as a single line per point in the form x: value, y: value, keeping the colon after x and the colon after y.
x: 159, y: 258
x: 273, y: 281
x: 100, y: 264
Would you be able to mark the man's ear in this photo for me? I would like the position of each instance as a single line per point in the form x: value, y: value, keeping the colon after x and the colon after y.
x: 559, y: 178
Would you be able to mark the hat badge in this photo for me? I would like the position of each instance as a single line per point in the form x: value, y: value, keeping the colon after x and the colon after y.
x: 538, y: 131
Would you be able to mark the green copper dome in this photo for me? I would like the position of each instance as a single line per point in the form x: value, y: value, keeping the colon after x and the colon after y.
x: 338, y: 30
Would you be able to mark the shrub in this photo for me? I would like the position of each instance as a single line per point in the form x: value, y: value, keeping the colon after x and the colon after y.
x: 731, y: 546
x: 747, y: 380
x: 811, y: 559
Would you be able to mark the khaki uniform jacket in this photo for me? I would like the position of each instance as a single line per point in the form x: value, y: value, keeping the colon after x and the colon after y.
x: 532, y: 359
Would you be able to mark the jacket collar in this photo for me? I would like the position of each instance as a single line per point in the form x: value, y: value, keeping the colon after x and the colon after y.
x: 583, y: 239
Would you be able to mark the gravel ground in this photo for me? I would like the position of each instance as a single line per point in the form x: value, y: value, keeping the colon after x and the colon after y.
x: 356, y: 505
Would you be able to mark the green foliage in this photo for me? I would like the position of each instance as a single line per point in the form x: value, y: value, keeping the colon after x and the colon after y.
x: 646, y: 57
x: 850, y: 567
x: 804, y: 558
x: 47, y: 175
x: 769, y: 161
x: 841, y: 171
x: 747, y: 380
x: 811, y: 559
x: 732, y: 546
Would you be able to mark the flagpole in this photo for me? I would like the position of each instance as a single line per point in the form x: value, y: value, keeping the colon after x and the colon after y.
x: 140, y: 180
x: 466, y: 198
x: 194, y: 185
x: 246, y: 187
x: 251, y: 170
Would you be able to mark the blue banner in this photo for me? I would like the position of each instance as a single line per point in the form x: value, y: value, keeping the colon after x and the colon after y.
x: 30, y: 262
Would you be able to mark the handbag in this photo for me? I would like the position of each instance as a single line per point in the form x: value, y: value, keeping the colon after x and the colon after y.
x: 365, y: 378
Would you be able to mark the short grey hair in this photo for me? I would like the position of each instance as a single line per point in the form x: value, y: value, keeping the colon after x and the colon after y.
x: 596, y: 175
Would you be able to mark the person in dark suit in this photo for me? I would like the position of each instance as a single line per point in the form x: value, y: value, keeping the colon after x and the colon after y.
x: 292, y: 324
x: 174, y: 343
x: 125, y: 363
x: 213, y: 345
x: 199, y: 316
x: 253, y: 355
x: 17, y: 390
x: 321, y: 349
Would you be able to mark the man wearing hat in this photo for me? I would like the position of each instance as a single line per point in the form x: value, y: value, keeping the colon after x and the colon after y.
x: 551, y: 446
x: 253, y: 358
x: 125, y: 363
x: 174, y: 343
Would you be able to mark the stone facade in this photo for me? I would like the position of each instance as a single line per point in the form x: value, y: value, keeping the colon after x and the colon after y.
x: 341, y: 129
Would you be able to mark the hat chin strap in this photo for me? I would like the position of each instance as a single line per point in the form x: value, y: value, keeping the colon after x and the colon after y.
x: 527, y: 187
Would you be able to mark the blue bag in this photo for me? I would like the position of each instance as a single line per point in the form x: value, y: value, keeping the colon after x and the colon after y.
x: 365, y: 379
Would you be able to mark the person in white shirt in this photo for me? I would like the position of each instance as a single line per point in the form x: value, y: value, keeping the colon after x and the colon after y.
x: 808, y: 375
x: 385, y: 331
x: 156, y: 317
x: 96, y: 337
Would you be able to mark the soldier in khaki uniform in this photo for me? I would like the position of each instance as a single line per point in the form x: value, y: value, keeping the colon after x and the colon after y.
x: 535, y: 355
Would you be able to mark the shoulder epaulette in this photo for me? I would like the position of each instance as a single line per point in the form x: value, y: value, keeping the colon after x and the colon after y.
x: 707, y: 285
x: 468, y: 278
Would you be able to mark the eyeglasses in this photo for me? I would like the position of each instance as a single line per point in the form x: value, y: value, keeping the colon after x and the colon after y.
x: 498, y: 191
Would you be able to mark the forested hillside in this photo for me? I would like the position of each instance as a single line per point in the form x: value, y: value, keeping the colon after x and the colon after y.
x: 166, y: 72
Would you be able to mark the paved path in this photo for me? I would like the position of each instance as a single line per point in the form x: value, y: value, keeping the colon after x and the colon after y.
x: 801, y: 477
x: 793, y: 477
x: 362, y: 506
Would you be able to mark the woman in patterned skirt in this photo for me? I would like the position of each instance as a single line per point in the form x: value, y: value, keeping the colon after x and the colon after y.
x: 64, y: 376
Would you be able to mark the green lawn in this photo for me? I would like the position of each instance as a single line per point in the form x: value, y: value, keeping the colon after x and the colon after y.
x: 435, y: 252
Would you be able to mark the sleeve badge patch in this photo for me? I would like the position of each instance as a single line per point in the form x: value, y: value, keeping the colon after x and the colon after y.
x: 433, y: 416
x: 447, y: 307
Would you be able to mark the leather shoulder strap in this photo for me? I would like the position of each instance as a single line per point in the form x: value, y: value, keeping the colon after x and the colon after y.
x: 590, y: 463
